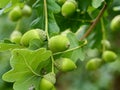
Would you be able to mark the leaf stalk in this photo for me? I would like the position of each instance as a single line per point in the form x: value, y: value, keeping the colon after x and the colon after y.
x: 46, y: 30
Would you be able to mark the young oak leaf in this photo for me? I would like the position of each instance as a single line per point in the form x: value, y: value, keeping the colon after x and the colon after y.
x: 77, y: 53
x: 7, y: 5
x: 3, y: 3
x: 8, y: 46
x: 25, y: 64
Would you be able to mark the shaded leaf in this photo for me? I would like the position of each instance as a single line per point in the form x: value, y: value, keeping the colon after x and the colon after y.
x: 83, y: 5
x: 73, y: 22
x: 52, y: 7
x: 80, y: 32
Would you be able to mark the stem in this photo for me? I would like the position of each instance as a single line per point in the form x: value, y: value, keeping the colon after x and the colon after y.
x: 18, y: 26
x: 95, y: 22
x: 46, y: 30
x: 103, y: 33
x: 46, y: 19
x: 52, y: 63
x: 72, y: 49
x: 79, y: 20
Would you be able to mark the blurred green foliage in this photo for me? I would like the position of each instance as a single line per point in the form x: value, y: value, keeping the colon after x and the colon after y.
x: 105, y: 78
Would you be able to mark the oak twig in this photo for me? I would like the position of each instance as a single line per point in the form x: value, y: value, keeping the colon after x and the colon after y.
x: 95, y: 22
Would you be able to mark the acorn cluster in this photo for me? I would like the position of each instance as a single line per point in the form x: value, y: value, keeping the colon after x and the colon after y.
x: 106, y: 57
x: 56, y: 43
x: 19, y: 11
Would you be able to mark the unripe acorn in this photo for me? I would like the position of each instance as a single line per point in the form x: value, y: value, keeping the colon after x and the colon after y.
x: 33, y: 34
x: 106, y: 43
x: 27, y: 10
x: 65, y: 64
x: 16, y: 37
x: 109, y: 56
x: 93, y: 64
x: 15, y: 14
x: 115, y: 23
x: 46, y: 84
x: 58, y: 43
x: 69, y: 7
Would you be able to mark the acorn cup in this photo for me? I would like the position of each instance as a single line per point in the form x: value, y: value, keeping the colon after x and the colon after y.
x: 50, y: 77
x: 26, y: 11
x: 106, y: 43
x: 16, y: 37
x: 65, y: 64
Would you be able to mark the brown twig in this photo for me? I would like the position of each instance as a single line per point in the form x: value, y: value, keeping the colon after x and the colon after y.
x: 95, y: 22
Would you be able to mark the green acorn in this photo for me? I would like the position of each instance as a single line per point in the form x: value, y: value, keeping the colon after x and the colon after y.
x: 58, y: 43
x: 33, y: 34
x: 69, y: 7
x: 93, y: 64
x: 46, y: 84
x: 109, y: 56
x: 65, y: 64
x: 115, y: 23
x: 15, y: 14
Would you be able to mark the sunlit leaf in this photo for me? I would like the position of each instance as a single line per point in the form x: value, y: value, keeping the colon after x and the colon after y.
x: 26, y: 68
x: 7, y: 46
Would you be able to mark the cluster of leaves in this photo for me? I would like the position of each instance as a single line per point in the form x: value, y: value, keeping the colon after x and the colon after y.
x: 29, y: 64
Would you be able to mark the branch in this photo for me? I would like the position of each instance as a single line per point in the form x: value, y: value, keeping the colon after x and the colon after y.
x: 95, y: 22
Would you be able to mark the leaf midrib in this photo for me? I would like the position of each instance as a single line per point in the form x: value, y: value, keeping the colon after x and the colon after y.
x: 30, y: 67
